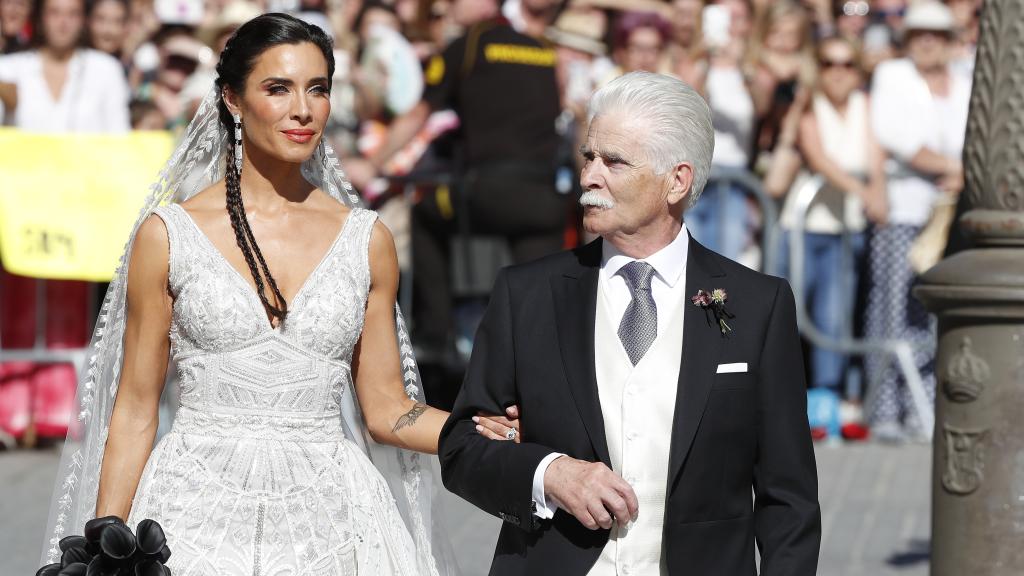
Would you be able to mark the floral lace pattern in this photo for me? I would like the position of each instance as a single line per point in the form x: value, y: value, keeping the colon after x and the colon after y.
x: 257, y: 476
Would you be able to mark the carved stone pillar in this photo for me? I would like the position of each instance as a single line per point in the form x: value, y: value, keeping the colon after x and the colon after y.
x: 978, y: 295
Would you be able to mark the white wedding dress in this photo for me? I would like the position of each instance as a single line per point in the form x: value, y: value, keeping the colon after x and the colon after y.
x: 257, y: 476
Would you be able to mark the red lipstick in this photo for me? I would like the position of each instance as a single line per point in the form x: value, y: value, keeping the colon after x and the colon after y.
x: 300, y: 135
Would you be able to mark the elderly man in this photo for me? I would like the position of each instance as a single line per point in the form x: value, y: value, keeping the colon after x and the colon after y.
x: 660, y: 385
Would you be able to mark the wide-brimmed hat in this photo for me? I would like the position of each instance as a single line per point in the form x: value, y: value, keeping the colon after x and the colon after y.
x: 929, y: 15
x: 186, y: 46
x: 233, y: 15
x: 579, y: 30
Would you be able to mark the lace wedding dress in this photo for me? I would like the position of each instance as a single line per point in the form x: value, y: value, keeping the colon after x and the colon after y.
x: 257, y: 476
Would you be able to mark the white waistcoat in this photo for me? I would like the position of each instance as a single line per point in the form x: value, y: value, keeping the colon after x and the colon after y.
x: 638, y: 404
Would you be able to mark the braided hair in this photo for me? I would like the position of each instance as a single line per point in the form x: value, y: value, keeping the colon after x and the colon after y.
x: 237, y: 61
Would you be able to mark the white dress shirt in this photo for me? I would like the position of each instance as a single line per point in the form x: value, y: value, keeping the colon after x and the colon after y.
x: 667, y: 285
x: 94, y: 97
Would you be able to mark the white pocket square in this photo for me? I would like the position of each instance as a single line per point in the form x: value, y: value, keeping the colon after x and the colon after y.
x: 731, y: 368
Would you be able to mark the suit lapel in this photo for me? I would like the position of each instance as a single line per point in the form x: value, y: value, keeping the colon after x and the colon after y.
x: 702, y: 345
x: 575, y: 297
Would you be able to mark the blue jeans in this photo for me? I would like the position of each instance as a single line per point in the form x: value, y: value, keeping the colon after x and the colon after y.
x: 830, y: 293
x: 721, y: 219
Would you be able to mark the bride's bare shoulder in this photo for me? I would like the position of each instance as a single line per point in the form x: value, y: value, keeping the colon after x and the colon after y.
x: 150, y: 250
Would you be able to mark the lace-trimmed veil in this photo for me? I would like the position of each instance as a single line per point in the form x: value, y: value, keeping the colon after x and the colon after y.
x: 197, y: 162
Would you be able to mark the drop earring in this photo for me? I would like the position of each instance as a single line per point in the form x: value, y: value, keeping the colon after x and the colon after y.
x: 238, y: 142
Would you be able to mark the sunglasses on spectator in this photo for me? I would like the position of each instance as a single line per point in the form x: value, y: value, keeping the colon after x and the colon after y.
x: 182, y: 63
x: 845, y: 64
x: 883, y: 14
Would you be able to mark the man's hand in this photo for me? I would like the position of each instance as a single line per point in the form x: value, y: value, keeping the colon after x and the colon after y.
x: 591, y: 492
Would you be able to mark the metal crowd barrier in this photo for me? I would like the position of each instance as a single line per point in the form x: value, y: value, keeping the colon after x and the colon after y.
x: 720, y: 179
x: 901, y: 350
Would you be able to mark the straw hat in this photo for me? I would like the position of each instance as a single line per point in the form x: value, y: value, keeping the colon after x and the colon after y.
x: 579, y: 30
x: 187, y: 47
x: 929, y: 15
x: 233, y: 15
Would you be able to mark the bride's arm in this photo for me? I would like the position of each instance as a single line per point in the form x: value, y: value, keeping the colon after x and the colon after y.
x: 391, y: 416
x: 134, y: 420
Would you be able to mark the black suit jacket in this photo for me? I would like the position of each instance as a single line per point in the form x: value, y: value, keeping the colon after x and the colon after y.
x: 734, y: 435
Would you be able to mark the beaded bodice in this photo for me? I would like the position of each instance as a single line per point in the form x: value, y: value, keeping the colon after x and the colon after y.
x: 230, y: 361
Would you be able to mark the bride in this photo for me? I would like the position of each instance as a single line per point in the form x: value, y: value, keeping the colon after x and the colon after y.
x: 279, y: 317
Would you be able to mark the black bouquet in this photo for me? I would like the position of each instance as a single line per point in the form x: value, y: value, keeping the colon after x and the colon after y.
x: 109, y: 548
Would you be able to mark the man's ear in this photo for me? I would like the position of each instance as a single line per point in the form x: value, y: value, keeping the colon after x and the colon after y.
x: 681, y: 183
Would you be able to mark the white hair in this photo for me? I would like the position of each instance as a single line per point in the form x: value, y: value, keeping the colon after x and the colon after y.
x: 678, y: 119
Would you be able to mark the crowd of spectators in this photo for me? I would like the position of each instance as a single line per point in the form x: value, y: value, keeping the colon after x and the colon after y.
x: 869, y: 95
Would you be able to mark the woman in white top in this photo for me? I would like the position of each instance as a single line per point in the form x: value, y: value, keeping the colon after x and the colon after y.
x: 59, y: 87
x: 919, y: 114
x: 836, y: 142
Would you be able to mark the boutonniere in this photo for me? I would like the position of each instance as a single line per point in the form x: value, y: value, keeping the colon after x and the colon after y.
x: 714, y: 303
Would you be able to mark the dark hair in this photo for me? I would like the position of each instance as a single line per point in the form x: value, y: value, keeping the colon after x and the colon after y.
x: 90, y: 10
x: 357, y: 23
x: 630, y: 22
x: 237, y: 61
x: 38, y: 39
x: 90, y: 6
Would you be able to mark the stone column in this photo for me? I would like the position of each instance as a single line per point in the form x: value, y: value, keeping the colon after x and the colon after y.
x: 978, y: 295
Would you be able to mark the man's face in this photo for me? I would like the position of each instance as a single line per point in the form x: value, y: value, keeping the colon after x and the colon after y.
x: 619, y: 178
x: 468, y: 12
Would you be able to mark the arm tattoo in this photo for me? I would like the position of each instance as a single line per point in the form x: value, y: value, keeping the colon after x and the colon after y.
x: 410, y: 417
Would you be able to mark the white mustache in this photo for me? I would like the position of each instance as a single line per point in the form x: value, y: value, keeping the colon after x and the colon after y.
x: 591, y: 198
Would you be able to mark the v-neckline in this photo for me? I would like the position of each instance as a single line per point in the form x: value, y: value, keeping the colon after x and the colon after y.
x: 249, y: 288
x: 58, y: 100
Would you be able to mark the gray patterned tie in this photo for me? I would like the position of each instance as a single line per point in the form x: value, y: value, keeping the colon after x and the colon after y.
x: 639, y: 326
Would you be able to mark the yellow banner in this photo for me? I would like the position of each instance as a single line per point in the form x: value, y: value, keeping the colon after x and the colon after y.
x: 68, y: 201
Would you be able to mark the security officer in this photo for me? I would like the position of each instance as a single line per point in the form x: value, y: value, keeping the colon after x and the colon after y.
x: 501, y: 84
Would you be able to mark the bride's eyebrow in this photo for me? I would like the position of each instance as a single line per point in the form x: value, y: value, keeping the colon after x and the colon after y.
x: 290, y: 82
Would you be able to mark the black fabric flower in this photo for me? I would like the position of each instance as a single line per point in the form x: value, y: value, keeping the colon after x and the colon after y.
x: 109, y: 548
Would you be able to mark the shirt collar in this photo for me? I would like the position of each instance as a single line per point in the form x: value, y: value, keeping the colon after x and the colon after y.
x: 669, y: 262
